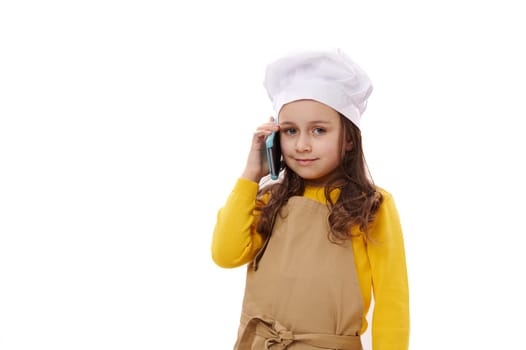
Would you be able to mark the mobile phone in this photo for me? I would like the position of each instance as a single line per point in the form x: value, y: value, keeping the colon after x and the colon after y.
x: 273, y: 148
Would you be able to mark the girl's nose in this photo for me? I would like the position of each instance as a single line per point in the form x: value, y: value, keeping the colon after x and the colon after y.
x: 303, y: 144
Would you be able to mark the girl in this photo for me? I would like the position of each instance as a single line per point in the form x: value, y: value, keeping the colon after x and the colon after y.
x: 322, y: 240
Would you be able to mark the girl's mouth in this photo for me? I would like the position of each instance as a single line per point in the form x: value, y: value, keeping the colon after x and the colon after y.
x: 305, y: 161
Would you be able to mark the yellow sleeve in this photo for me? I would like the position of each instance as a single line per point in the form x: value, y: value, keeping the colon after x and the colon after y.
x: 235, y: 241
x: 390, y: 321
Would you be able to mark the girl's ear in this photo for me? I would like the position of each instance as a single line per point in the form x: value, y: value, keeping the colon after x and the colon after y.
x: 348, y: 146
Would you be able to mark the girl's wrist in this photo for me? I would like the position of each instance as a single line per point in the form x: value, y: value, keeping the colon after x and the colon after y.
x: 251, y: 175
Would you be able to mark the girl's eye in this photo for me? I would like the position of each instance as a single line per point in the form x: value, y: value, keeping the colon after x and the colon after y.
x: 290, y: 131
x: 318, y: 131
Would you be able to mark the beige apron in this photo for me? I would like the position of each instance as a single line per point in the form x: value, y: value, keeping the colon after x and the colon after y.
x: 305, y: 292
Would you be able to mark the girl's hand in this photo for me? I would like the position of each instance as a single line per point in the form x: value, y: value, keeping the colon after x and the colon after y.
x: 256, y: 166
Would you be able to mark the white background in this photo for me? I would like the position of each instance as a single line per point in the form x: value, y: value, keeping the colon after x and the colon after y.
x: 124, y: 125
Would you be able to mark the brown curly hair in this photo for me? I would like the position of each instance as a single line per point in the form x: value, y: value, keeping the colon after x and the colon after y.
x: 356, y: 205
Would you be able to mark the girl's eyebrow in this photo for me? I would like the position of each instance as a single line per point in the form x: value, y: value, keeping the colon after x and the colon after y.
x: 309, y: 123
x: 320, y: 122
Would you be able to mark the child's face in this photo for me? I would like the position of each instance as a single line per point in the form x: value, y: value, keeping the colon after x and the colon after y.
x: 311, y: 140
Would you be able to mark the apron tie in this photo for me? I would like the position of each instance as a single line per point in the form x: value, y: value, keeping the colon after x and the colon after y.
x: 278, y: 337
x: 275, y: 334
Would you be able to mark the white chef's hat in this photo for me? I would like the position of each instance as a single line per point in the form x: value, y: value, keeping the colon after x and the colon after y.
x: 329, y: 77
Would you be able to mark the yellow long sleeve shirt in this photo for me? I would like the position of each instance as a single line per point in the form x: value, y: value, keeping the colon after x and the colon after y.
x: 380, y: 265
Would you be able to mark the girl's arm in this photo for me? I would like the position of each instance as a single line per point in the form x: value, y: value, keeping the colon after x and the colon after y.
x: 390, y: 321
x: 235, y: 241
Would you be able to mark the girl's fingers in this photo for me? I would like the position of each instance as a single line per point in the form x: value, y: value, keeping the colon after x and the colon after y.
x: 264, y: 130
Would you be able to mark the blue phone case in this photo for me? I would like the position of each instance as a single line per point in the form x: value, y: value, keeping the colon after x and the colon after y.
x: 273, y: 148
